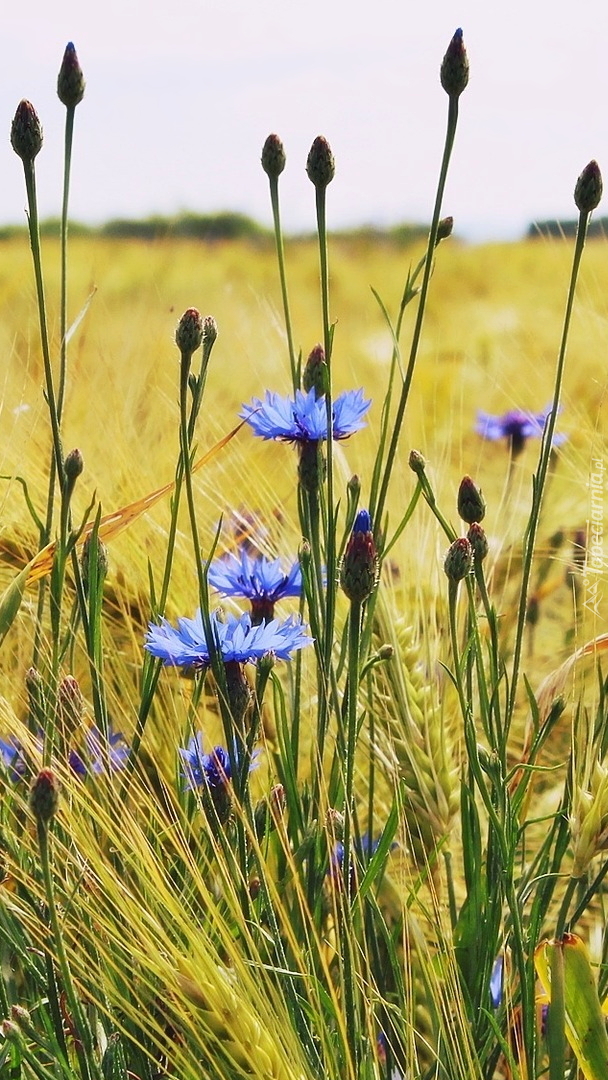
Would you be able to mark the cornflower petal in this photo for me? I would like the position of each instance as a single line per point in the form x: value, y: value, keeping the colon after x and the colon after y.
x: 516, y: 426
x: 254, y: 578
x: 304, y: 418
x: 235, y: 639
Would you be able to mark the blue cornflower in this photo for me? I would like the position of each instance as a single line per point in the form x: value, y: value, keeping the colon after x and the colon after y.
x: 260, y: 580
x: 211, y: 771
x: 13, y: 759
x: 236, y: 640
x: 304, y: 419
x: 515, y: 426
x: 496, y: 981
x: 365, y: 850
x: 97, y: 755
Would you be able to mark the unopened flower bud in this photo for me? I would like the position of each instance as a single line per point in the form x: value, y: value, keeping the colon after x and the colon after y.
x: 315, y: 372
x: 85, y: 561
x: 471, y: 503
x: 454, y: 70
x: 386, y: 652
x: 44, y: 796
x: 416, y: 462
x: 320, y: 165
x: 20, y: 1015
x: 70, y: 81
x: 359, y: 570
x: 459, y: 559
x: 444, y: 229
x: 589, y: 187
x: 26, y: 132
x: 273, y: 157
x: 209, y: 331
x: 189, y: 332
x: 479, y: 542
x: 73, y: 467
x: 70, y: 703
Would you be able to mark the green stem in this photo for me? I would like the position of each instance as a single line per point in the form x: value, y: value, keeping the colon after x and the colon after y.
x: 84, y: 1039
x: 278, y: 236
x: 541, y: 476
x: 378, y: 510
x: 69, y: 132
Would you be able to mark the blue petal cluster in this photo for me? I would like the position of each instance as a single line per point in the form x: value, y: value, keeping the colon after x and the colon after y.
x: 236, y: 639
x: 496, y: 981
x: 211, y: 771
x: 515, y: 425
x: 258, y: 579
x: 13, y: 759
x: 98, y: 755
x: 304, y: 419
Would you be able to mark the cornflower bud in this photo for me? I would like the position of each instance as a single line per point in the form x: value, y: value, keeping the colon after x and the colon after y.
x: 320, y: 165
x: 273, y: 157
x: 454, y: 71
x: 70, y: 704
x: 26, y: 132
x: 359, y: 570
x: 73, y: 467
x: 70, y: 81
x: 479, y: 542
x: 416, y: 462
x: 471, y: 503
x: 209, y: 331
x: 44, y: 796
x: 459, y: 559
x: 189, y: 332
x: 444, y: 229
x: 589, y: 188
x: 102, y: 561
x: 315, y: 372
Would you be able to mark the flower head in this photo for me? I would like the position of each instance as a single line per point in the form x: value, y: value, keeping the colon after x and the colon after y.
x: 496, y: 982
x: 13, y: 758
x: 304, y: 419
x: 260, y: 580
x: 516, y: 427
x: 359, y: 569
x: 235, y: 639
x: 98, y: 754
x: 211, y: 771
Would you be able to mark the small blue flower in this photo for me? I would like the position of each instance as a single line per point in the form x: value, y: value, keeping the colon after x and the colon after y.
x: 365, y: 850
x: 236, y: 640
x: 257, y: 579
x: 97, y: 755
x: 496, y: 981
x: 304, y: 419
x: 13, y: 759
x: 210, y: 771
x: 515, y: 426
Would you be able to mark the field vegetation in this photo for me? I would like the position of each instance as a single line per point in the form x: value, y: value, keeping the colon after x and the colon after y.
x: 379, y: 853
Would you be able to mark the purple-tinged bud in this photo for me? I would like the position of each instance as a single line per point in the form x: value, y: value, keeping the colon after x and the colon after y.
x: 315, y: 372
x: 459, y: 559
x: 479, y: 542
x: 320, y: 165
x: 255, y: 886
x: 589, y: 188
x: 278, y: 802
x: 34, y: 684
x: 189, y: 332
x: 20, y: 1015
x: 11, y: 1031
x: 454, y: 71
x: 209, y: 331
x: 417, y: 463
x: 70, y: 704
x: 44, y: 796
x: 354, y: 488
x: 273, y: 157
x: 359, y: 570
x: 444, y: 229
x: 26, y: 132
x: 70, y: 81
x: 72, y: 467
x: 471, y: 503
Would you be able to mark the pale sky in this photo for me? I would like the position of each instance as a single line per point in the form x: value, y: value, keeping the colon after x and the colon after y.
x: 181, y: 96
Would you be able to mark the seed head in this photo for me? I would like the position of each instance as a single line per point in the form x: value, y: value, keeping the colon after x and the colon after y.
x: 189, y: 332
x: 44, y: 796
x: 454, y: 71
x: 315, y: 372
x: 70, y: 81
x: 320, y: 166
x: 589, y: 187
x: 359, y: 570
x: 471, y: 503
x: 273, y: 157
x: 26, y: 132
x: 459, y: 559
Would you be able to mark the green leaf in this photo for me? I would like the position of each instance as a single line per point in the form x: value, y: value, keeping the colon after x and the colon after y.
x: 585, y: 1023
x: 10, y: 601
